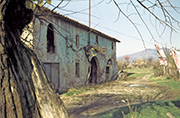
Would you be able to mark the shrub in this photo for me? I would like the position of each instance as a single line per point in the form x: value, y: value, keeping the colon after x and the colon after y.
x: 157, y: 69
x: 169, y: 71
x: 122, y: 65
x: 139, y: 63
x: 127, y: 58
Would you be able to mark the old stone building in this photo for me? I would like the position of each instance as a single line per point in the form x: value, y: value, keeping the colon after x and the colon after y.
x: 72, y: 53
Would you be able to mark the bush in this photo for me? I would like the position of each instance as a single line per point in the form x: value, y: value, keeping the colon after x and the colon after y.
x: 170, y: 70
x: 122, y: 65
x: 157, y: 69
x: 139, y: 63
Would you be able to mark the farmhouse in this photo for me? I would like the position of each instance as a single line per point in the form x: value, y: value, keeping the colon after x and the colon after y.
x: 72, y: 53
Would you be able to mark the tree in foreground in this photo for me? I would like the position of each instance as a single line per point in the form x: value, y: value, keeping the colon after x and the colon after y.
x: 24, y: 88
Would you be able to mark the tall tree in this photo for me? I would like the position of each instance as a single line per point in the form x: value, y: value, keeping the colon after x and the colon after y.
x: 24, y: 89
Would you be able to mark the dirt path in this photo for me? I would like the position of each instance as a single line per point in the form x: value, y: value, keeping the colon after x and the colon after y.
x: 107, y: 96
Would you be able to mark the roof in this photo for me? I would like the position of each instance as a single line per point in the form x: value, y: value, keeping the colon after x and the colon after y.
x: 77, y: 24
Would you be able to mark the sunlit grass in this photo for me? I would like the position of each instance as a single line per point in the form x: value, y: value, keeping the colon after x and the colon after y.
x: 133, y: 73
x: 77, y: 91
x: 139, y: 70
x: 156, y: 109
x: 174, y: 84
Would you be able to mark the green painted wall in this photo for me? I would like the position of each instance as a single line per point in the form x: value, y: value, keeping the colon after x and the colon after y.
x: 67, y: 54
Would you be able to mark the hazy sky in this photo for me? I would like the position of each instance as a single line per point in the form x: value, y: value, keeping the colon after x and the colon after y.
x: 106, y: 18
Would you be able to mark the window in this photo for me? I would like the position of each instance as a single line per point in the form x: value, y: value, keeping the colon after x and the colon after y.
x: 97, y: 39
x: 77, y: 74
x: 109, y: 62
x: 77, y: 41
x: 88, y: 38
x: 50, y: 39
x: 107, y: 72
x: 67, y: 45
x: 112, y: 45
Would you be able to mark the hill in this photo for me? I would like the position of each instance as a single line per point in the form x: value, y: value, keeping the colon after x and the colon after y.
x: 144, y: 55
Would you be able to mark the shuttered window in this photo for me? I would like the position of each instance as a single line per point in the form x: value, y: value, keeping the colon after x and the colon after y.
x: 77, y: 68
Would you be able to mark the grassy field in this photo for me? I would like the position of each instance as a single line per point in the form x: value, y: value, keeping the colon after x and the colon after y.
x: 156, y: 109
x: 153, y: 109
x: 133, y: 73
x: 105, y: 100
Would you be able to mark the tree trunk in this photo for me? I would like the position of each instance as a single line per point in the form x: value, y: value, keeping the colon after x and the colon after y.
x: 24, y: 88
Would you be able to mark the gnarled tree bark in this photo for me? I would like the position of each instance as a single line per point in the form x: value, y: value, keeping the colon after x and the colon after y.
x: 24, y: 88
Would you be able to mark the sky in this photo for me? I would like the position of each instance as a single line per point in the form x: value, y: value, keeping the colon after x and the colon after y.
x: 105, y: 17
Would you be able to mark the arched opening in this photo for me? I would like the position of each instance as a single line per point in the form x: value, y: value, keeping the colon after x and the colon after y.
x: 93, y: 75
x: 108, y: 69
x: 109, y: 62
x: 50, y: 39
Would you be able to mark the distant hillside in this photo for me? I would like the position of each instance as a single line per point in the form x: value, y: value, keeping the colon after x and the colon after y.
x: 144, y: 55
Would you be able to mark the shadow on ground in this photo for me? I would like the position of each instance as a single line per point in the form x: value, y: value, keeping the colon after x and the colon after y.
x: 99, y: 105
x: 120, y: 112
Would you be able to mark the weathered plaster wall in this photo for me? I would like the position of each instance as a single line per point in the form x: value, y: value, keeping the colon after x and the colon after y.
x: 103, y: 57
x: 67, y: 54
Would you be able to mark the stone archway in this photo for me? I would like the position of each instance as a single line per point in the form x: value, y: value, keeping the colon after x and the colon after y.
x: 94, y: 68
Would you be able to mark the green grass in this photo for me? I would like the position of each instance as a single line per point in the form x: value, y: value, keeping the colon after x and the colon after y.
x: 156, y: 79
x: 174, y: 84
x: 138, y: 75
x: 139, y: 70
x: 136, y: 72
x: 156, y: 109
x: 77, y: 91
x: 166, y: 81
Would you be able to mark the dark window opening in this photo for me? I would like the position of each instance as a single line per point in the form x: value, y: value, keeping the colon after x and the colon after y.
x: 97, y: 40
x: 77, y: 41
x: 50, y: 39
x: 88, y: 38
x: 93, y: 74
x: 107, y: 72
x: 112, y: 45
x: 77, y: 69
x: 109, y: 62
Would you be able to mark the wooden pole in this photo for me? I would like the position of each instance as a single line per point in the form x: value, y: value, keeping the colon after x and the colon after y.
x: 89, y: 13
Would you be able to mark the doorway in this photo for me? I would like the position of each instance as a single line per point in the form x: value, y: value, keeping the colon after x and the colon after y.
x: 52, y: 71
x: 93, y: 75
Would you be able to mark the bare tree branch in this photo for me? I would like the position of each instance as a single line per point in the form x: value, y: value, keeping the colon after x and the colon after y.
x: 156, y: 17
x: 131, y: 23
x: 142, y: 20
x: 57, y: 5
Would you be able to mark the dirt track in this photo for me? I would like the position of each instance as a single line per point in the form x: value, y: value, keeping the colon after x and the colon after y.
x: 114, y: 94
